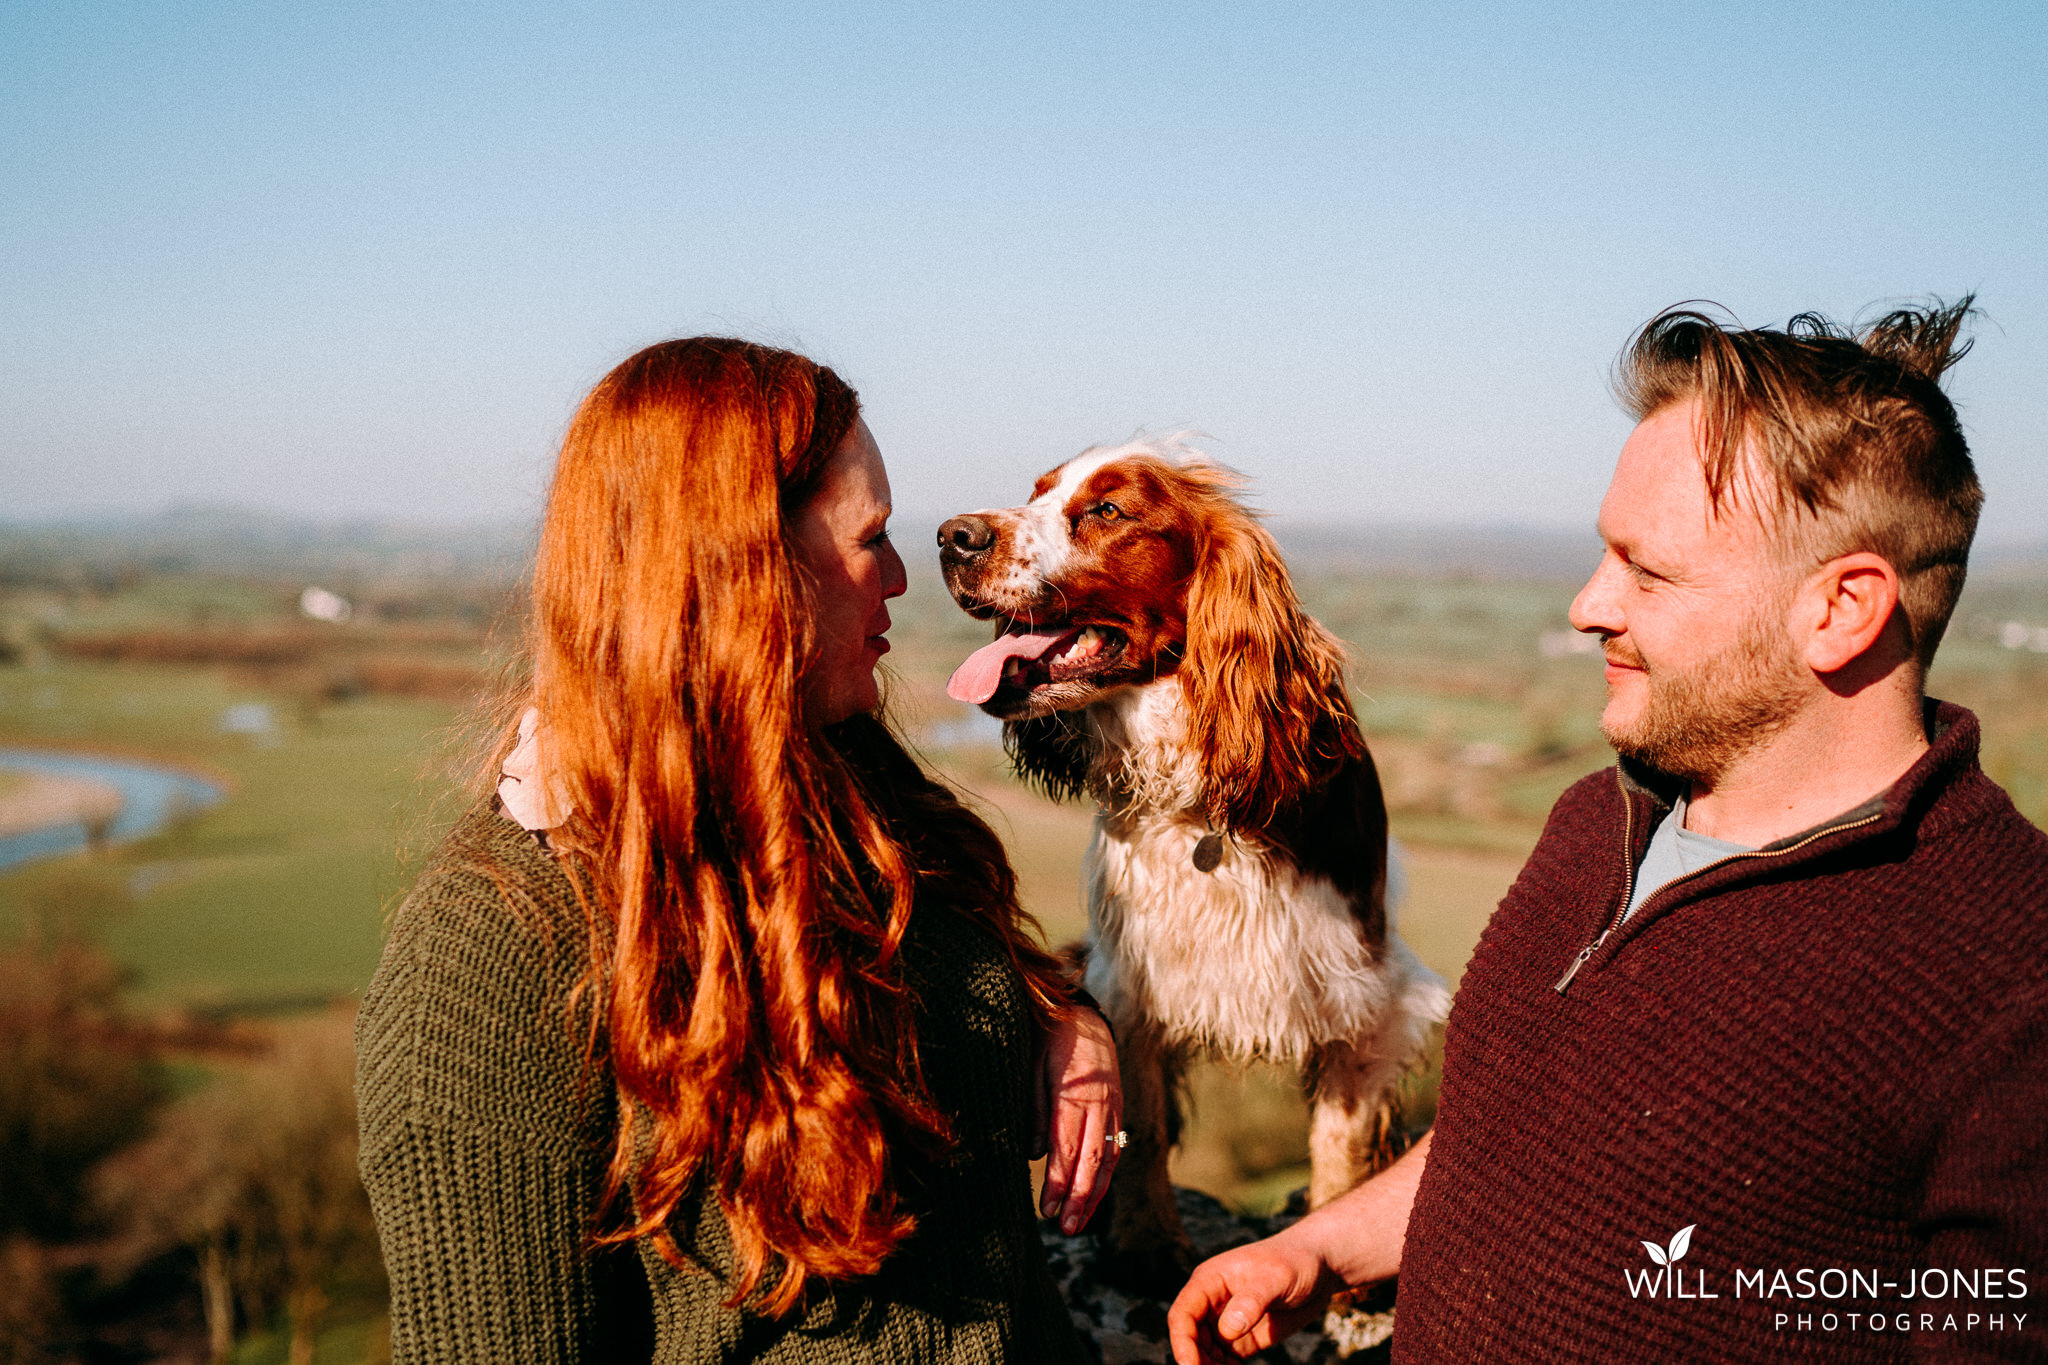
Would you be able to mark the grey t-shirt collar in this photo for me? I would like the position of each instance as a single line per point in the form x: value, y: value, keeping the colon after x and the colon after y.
x: 1674, y: 852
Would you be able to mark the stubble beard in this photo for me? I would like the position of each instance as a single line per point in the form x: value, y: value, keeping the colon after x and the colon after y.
x: 1695, y: 724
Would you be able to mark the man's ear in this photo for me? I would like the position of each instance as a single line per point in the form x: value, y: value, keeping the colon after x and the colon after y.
x: 1845, y: 607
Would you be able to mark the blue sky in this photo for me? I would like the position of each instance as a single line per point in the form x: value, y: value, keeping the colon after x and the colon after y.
x: 365, y: 258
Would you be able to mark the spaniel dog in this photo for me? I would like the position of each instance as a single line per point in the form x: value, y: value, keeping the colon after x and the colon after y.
x: 1150, y: 652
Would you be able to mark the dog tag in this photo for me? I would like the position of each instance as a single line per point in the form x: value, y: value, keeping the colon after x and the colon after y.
x: 1208, y: 852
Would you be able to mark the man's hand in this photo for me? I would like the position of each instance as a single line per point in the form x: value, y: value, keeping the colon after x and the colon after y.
x: 1245, y: 1300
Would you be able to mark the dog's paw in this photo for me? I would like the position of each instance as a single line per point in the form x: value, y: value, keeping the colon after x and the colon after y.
x: 1154, y: 1270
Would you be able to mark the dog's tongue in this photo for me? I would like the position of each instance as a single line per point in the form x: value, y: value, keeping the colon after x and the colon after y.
x: 976, y: 680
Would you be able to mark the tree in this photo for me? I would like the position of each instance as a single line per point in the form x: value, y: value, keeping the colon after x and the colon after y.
x: 77, y: 1082
x: 256, y: 1175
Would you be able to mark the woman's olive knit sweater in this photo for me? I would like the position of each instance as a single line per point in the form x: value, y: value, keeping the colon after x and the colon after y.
x: 485, y: 1141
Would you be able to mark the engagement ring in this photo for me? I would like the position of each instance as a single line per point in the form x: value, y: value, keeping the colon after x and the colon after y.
x: 1119, y: 1139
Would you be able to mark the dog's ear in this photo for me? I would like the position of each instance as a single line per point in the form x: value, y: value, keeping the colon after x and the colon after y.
x: 1342, y: 834
x: 1267, y: 708
x: 1049, y: 752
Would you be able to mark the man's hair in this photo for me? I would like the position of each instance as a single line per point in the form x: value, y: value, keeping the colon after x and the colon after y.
x: 1847, y: 432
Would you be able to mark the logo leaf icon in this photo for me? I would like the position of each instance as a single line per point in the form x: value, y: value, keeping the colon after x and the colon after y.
x: 1680, y: 1241
x: 1656, y: 1252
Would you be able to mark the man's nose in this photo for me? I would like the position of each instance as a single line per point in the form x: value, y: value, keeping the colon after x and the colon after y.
x: 1594, y: 609
x: 965, y: 539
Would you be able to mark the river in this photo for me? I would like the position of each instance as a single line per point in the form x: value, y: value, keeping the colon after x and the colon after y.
x: 151, y: 798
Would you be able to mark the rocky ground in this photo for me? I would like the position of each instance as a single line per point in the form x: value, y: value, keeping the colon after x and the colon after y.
x: 1126, y: 1330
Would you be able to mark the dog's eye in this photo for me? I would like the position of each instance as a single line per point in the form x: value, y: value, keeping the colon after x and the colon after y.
x: 1108, y: 511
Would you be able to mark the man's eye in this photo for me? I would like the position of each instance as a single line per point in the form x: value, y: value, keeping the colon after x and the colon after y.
x: 880, y: 537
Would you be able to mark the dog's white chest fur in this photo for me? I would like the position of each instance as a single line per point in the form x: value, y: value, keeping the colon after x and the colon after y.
x: 1253, y: 959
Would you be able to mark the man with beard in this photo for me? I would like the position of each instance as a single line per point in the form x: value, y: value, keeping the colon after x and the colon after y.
x: 1752, y: 1061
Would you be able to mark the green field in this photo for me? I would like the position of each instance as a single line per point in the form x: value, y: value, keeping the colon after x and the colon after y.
x: 273, y: 899
x: 278, y: 896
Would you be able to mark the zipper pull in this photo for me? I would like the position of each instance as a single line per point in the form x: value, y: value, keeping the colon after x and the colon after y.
x: 1585, y: 953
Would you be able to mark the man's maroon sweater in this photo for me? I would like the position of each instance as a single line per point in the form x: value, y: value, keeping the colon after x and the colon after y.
x: 1830, y: 1055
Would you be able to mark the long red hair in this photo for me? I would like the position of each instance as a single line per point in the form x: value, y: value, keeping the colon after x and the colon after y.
x: 749, y: 877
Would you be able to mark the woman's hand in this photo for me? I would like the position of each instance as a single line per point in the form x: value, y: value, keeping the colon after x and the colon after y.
x: 1078, y: 1103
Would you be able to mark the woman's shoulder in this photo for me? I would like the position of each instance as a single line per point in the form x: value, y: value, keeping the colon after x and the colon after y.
x: 477, y: 1014
x: 490, y: 888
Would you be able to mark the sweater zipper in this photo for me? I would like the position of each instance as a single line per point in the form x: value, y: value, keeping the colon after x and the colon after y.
x: 1628, y: 884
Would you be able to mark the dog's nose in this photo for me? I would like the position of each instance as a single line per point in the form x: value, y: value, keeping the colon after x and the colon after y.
x: 965, y: 538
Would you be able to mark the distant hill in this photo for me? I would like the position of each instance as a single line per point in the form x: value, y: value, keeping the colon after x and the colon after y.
x: 237, y: 542
x: 232, y: 541
x: 1496, y: 552
x: 1408, y: 550
x: 1527, y: 554
x: 2010, y: 562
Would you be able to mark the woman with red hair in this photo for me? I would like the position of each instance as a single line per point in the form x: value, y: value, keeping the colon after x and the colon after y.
x: 719, y: 1034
